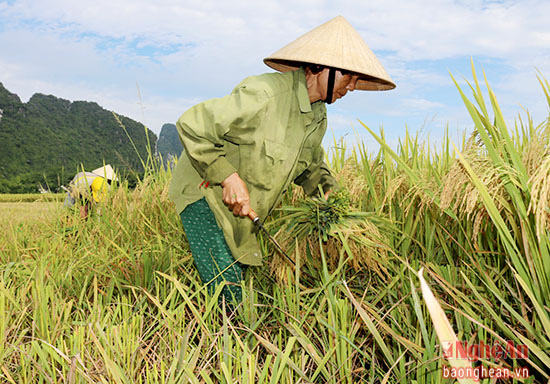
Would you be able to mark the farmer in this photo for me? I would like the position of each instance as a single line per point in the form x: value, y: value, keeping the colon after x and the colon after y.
x: 93, y: 183
x: 243, y: 150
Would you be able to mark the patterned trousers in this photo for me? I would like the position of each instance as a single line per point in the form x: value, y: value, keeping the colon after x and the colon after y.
x: 211, y: 253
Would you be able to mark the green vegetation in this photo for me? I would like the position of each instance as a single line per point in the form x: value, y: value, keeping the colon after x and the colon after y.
x: 47, y: 140
x: 116, y: 299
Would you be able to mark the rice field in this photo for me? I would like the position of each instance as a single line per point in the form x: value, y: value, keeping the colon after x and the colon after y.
x: 116, y: 299
x: 31, y: 197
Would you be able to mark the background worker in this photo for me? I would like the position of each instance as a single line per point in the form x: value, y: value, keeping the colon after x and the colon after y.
x: 84, y: 184
x: 242, y: 151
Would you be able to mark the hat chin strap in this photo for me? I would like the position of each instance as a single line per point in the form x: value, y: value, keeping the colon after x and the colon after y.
x: 330, y: 85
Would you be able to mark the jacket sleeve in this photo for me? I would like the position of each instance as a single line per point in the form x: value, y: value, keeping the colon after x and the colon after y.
x: 204, y: 128
x: 317, y: 174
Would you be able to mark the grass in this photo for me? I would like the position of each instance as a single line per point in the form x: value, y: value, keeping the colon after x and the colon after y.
x: 116, y: 299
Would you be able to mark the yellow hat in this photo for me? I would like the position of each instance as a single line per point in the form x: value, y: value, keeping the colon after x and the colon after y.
x: 334, y: 44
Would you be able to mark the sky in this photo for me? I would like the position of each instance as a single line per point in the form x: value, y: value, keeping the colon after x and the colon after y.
x: 152, y: 60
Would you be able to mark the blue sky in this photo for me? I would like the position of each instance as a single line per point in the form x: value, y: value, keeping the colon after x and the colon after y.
x: 179, y: 53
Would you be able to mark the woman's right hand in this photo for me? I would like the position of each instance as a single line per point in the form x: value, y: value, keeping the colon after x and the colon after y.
x: 235, y: 195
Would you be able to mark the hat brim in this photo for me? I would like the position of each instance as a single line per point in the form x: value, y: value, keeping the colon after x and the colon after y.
x: 365, y: 82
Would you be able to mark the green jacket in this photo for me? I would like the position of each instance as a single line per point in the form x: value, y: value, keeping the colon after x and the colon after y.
x: 267, y: 131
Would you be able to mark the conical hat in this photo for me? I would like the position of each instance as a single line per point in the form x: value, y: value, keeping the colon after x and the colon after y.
x: 334, y: 44
x: 106, y: 172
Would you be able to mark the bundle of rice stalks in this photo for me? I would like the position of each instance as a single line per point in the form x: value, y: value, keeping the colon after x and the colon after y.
x: 345, y: 235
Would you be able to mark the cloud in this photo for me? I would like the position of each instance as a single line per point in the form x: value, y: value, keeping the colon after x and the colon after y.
x: 419, y: 30
x: 419, y: 104
x: 180, y: 52
x: 438, y: 30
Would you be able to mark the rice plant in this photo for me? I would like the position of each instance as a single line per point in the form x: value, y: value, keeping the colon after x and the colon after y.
x: 116, y: 298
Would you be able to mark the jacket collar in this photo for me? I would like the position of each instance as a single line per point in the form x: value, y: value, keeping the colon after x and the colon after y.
x: 301, y: 87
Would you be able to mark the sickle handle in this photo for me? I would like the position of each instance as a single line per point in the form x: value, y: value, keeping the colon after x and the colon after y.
x: 253, y: 216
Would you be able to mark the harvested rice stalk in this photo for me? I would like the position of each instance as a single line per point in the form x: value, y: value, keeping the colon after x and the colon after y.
x: 333, y: 224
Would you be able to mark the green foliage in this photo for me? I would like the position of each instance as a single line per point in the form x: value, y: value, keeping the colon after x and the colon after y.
x: 47, y: 140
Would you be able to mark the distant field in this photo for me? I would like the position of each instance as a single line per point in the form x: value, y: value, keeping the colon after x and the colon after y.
x: 16, y: 213
x: 28, y: 209
x: 30, y: 197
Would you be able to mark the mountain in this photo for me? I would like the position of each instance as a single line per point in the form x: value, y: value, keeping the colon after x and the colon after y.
x: 169, y: 144
x: 46, y: 140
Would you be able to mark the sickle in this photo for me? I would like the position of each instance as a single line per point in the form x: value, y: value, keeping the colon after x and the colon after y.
x: 256, y: 220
